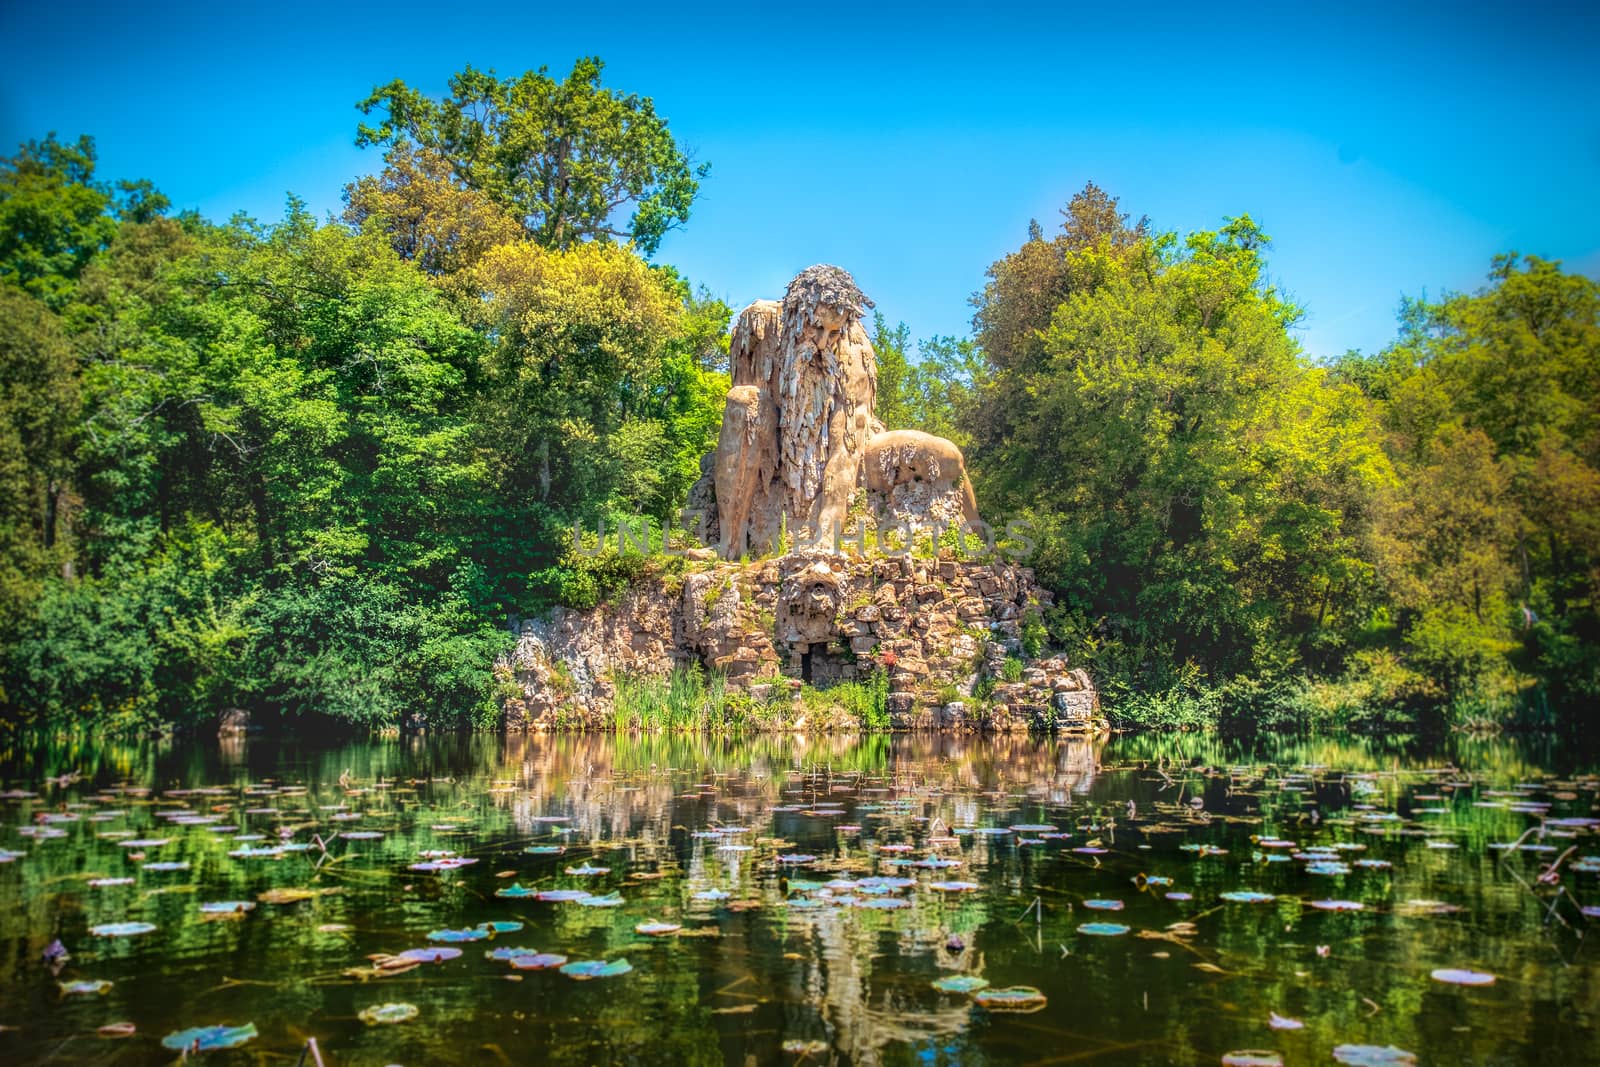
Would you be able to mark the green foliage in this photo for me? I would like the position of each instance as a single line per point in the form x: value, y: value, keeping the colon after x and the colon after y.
x: 53, y: 217
x: 684, y: 701
x: 932, y: 394
x: 561, y: 156
x: 306, y: 468
x: 866, y: 702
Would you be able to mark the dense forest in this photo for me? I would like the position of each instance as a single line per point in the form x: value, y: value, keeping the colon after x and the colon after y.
x: 310, y: 466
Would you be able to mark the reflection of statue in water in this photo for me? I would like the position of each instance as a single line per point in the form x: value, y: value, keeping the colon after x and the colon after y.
x: 799, y: 434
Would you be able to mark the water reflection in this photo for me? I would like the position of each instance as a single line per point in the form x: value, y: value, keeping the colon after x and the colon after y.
x: 821, y: 885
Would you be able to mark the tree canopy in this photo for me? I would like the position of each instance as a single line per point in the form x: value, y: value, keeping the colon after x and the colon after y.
x: 570, y: 160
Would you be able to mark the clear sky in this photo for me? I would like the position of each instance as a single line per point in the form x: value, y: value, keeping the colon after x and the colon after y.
x: 1388, y: 149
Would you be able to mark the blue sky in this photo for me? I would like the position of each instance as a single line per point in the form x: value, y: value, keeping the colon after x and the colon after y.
x: 1388, y: 149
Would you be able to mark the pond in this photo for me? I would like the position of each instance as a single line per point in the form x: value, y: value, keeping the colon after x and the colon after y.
x: 895, y: 900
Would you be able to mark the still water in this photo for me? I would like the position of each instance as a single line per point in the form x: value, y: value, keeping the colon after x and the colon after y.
x: 1147, y: 900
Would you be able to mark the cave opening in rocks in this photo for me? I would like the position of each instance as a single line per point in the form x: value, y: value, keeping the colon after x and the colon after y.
x: 822, y: 665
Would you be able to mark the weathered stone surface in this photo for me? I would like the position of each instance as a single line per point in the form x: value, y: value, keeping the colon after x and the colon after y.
x: 756, y: 621
x: 799, y: 435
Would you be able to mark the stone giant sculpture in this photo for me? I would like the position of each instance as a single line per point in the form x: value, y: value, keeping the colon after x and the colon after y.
x: 799, y: 434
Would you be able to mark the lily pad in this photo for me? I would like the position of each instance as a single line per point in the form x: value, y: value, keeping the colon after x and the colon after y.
x: 86, y: 988
x: 1453, y: 976
x: 960, y: 983
x: 1373, y: 1056
x: 1017, y: 998
x: 209, y: 1038
x: 429, y: 955
x: 1247, y: 896
x: 129, y: 929
x: 536, y: 961
x: 1103, y: 929
x: 379, y: 1014
x: 561, y: 896
x: 583, y: 970
x: 1252, y: 1057
x: 227, y: 907
x: 1338, y: 905
x: 657, y: 929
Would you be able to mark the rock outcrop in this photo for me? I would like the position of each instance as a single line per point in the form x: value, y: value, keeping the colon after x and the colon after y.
x: 948, y: 632
x: 802, y: 460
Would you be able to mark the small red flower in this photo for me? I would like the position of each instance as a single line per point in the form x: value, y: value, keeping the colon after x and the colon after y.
x: 888, y: 659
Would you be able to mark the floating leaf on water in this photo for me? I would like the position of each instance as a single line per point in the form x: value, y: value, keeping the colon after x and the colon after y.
x: 1017, y: 998
x: 882, y: 903
x: 227, y: 907
x: 1180, y: 896
x: 1033, y: 828
x: 1248, y: 896
x: 448, y: 863
x: 583, y: 970
x: 561, y: 896
x: 129, y: 929
x: 107, y: 883
x: 1103, y: 905
x: 1252, y: 1057
x: 960, y: 983
x: 1103, y: 929
x: 290, y: 895
x: 1282, y: 1022
x: 545, y: 850
x: 209, y: 1038
x: 500, y: 926
x: 174, y: 865
x: 1453, y: 976
x: 588, y: 871
x: 379, y: 1014
x: 536, y: 961
x: 955, y: 887
x: 1373, y: 1056
x: 610, y: 900
x: 116, y: 1030
x: 87, y: 988
x: 428, y: 955
x: 451, y: 936
x: 657, y: 929
x: 516, y: 891
x: 1338, y: 905
x: 797, y: 859
x: 1428, y: 907
x: 253, y: 852
x: 1327, y: 868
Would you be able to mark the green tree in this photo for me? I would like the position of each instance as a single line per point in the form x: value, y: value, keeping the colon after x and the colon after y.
x: 39, y: 397
x: 564, y: 157
x: 1202, y: 494
x: 53, y: 216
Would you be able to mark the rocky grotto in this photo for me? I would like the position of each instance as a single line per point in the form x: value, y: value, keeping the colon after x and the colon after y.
x: 802, y: 460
